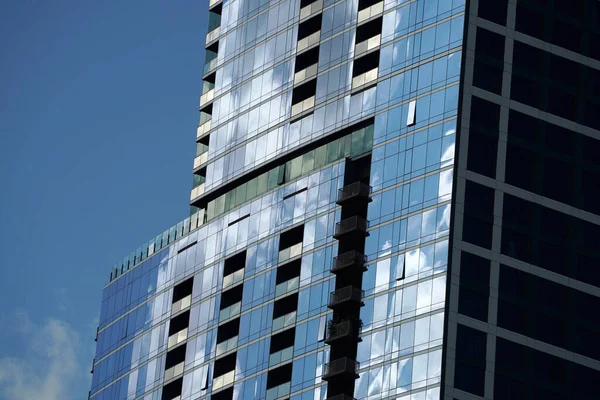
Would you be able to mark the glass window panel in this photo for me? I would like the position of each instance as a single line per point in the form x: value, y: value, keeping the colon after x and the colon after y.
x: 421, y: 331
x: 419, y: 368
x: 424, y: 294
x: 427, y: 42
x: 377, y: 343
x: 409, y: 299
x: 404, y: 372
x: 375, y: 380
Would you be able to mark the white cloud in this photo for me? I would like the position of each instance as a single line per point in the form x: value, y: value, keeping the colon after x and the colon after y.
x: 50, y: 368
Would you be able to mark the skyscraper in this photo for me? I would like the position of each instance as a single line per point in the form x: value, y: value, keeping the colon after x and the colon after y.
x: 391, y: 199
x: 526, y: 215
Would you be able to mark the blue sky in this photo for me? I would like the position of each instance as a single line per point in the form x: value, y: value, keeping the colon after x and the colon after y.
x: 98, y: 110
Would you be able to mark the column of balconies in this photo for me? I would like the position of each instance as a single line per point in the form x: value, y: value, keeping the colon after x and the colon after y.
x: 343, y: 331
x: 229, y: 323
x: 206, y: 98
x: 177, y: 341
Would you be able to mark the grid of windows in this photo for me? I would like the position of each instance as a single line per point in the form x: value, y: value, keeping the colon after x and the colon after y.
x: 523, y: 263
x: 301, y: 102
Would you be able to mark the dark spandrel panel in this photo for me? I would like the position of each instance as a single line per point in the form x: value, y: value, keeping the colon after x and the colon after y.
x: 485, y: 115
x: 494, y: 11
x: 517, y: 245
x: 530, y: 60
x: 512, y: 317
x: 469, y: 374
x: 521, y: 167
x: 556, y: 258
x: 592, y: 113
x: 489, y: 61
x: 482, y: 153
x: 562, y: 103
x: 555, y: 85
x: 530, y: 22
x: 483, y: 137
x: 487, y: 77
x: 568, y: 35
x: 554, y: 224
x: 523, y: 126
x: 471, y: 345
x: 473, y: 303
x: 590, y: 191
x: 590, y: 150
x: 541, y: 236
x: 477, y: 231
x: 595, y: 50
x: 469, y: 378
x: 506, y: 388
x: 547, y: 311
x: 489, y: 46
x: 474, y: 287
x: 564, y: 71
x: 525, y: 90
x: 523, y: 370
x: 478, y: 218
x: 571, y: 25
x: 553, y: 162
x: 558, y: 139
x: 474, y: 271
x: 479, y: 200
x: 558, y: 180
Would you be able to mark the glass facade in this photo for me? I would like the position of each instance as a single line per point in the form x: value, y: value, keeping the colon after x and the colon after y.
x: 526, y: 216
x: 335, y: 248
x: 318, y: 244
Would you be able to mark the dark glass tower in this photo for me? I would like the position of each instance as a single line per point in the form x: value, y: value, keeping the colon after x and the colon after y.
x: 327, y: 210
x: 526, y: 224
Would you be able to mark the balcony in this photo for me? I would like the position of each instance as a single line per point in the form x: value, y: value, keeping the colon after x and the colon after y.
x: 209, y: 66
x: 341, y: 331
x: 303, y: 105
x: 283, y: 321
x: 177, y: 338
x: 212, y: 35
x: 233, y: 278
x: 308, y: 41
x: 212, y: 3
x: 223, y: 380
x: 174, y: 371
x: 203, y: 129
x: 181, y: 304
x: 197, y: 192
x: 287, y: 286
x: 365, y: 78
x: 281, y: 356
x: 278, y: 392
x: 311, y: 9
x: 207, y: 97
x: 370, y: 12
x: 341, y: 367
x: 351, y: 260
x: 345, y: 296
x: 356, y: 190
x: 352, y: 225
x: 290, y: 252
x: 226, y: 346
x: 230, y: 312
x: 200, y: 160
x: 366, y: 45
x: 306, y: 74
